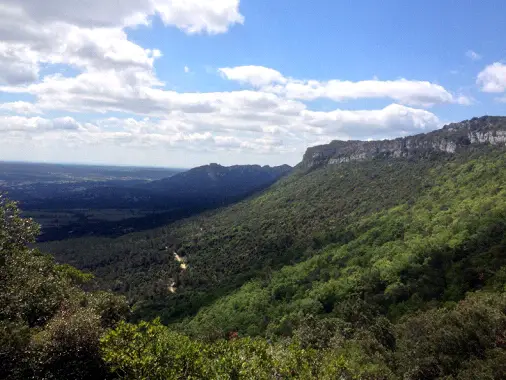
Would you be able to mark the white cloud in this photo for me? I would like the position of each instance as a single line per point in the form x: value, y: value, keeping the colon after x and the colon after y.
x: 38, y: 125
x: 257, y: 76
x: 108, y: 73
x: 464, y: 100
x: 90, y: 35
x: 18, y: 64
x: 192, y: 16
x: 270, y: 130
x: 255, y: 121
x: 393, y: 120
x: 416, y: 93
x: 493, y: 78
x: 87, y: 49
x: 20, y: 107
x: 473, y: 55
x: 409, y: 92
x: 196, y: 16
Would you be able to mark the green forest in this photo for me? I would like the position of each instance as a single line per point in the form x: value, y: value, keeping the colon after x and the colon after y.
x: 391, y: 268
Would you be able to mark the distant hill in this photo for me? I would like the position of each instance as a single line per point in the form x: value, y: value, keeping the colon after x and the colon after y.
x: 216, y: 181
x: 155, y: 202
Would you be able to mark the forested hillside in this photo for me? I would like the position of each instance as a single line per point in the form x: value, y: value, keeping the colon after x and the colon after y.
x: 364, y: 264
x: 286, y: 224
x: 223, y: 249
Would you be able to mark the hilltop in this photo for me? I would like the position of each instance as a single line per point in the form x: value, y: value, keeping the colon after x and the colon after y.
x: 451, y: 138
x: 217, y: 181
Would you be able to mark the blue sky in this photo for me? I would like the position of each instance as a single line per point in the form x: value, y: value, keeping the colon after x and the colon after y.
x: 185, y: 83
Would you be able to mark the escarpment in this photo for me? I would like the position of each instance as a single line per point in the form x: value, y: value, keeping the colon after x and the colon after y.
x: 449, y: 139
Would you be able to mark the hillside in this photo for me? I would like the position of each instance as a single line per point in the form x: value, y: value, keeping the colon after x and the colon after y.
x: 219, y: 181
x: 202, y: 185
x: 434, y: 249
x: 385, y: 266
x: 288, y: 223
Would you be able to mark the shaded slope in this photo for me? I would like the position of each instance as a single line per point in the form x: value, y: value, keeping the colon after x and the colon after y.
x: 286, y: 224
x: 226, y: 248
x: 216, y: 181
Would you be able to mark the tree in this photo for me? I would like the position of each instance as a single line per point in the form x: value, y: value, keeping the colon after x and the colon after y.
x: 49, y: 327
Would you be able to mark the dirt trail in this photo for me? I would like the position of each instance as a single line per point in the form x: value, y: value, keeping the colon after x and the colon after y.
x: 183, y: 266
x: 181, y: 261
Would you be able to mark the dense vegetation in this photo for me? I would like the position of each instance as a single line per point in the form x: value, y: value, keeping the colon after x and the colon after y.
x: 465, y: 341
x: 381, y: 269
x: 226, y: 248
x: 49, y: 327
x: 449, y: 241
x: 287, y: 224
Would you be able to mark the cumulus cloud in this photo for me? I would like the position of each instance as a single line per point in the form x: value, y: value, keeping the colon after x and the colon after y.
x: 109, y: 73
x: 18, y: 64
x: 195, y: 16
x: 192, y: 16
x: 393, y: 120
x: 493, y: 78
x: 86, y: 49
x: 90, y: 35
x: 133, y: 92
x: 38, y: 125
x: 261, y: 130
x: 20, y: 107
x: 243, y: 121
x: 473, y: 55
x: 415, y: 93
x: 257, y: 76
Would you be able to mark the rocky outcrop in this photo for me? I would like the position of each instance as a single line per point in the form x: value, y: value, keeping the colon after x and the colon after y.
x: 449, y: 139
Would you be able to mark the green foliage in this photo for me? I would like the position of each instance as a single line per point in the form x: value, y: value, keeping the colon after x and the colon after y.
x: 49, y: 327
x: 288, y: 223
x: 440, y: 341
x: 388, y: 301
x: 388, y: 269
x: 449, y: 241
x: 464, y: 342
x: 152, y: 351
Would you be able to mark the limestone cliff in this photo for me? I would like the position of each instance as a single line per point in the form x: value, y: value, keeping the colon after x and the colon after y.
x: 449, y: 139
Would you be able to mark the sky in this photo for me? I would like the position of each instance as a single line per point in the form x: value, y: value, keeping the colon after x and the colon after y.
x: 183, y: 83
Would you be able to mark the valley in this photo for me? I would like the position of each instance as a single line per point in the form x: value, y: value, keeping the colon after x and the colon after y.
x: 71, y: 200
x: 359, y: 262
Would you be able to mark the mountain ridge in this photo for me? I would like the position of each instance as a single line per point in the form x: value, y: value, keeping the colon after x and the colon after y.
x: 449, y: 139
x: 217, y: 172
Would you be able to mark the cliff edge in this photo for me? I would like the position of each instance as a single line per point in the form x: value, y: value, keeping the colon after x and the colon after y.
x: 449, y: 139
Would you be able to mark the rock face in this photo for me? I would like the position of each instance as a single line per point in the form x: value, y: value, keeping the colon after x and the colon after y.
x: 449, y: 139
